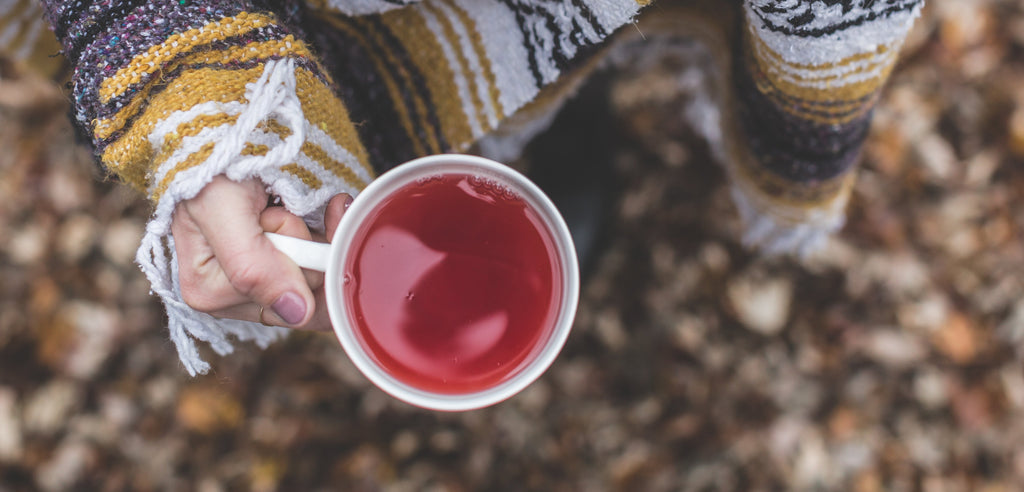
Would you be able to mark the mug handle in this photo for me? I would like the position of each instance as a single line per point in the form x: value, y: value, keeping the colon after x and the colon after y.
x: 306, y: 254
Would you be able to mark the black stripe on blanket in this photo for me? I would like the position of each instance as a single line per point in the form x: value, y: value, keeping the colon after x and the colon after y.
x: 801, y: 14
x: 568, y: 41
x: 793, y: 148
x: 79, y: 40
x: 100, y: 145
x: 418, y: 82
x: 362, y: 89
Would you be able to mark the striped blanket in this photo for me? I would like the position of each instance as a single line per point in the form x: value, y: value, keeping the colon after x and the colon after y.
x: 314, y: 98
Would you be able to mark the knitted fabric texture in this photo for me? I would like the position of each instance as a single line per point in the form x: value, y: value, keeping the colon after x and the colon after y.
x: 807, y: 80
x: 177, y: 92
x: 361, y: 7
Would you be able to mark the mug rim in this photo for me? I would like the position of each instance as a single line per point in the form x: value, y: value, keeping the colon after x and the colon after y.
x: 367, y: 201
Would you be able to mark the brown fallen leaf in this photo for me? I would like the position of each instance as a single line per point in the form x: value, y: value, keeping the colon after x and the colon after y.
x: 956, y: 339
x: 207, y: 409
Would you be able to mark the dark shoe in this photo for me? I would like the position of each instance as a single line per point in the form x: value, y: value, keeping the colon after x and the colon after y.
x: 572, y: 163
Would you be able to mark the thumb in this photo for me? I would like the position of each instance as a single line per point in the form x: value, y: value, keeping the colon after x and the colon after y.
x: 228, y: 214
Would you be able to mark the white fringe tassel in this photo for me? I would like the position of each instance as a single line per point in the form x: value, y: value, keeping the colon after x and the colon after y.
x: 271, y: 96
x: 766, y: 226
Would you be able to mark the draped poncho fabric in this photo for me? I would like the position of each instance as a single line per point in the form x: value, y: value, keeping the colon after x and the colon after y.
x: 314, y: 98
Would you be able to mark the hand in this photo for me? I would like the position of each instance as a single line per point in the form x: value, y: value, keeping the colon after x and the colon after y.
x: 228, y: 269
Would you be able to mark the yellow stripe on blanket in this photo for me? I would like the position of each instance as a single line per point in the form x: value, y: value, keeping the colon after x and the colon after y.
x: 448, y: 31
x: 235, y: 54
x: 410, y: 27
x: 833, y: 93
x: 287, y: 46
x: 155, y: 58
x: 321, y: 157
x: 305, y: 175
x: 481, y: 53
x: 132, y: 157
x: 188, y: 90
x: 325, y: 111
x: 395, y: 92
x: 196, y: 158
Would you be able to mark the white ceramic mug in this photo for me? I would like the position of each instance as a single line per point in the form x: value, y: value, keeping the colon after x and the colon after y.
x: 331, y: 259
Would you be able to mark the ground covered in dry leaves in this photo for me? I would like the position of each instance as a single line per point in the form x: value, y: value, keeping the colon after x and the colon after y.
x: 893, y: 361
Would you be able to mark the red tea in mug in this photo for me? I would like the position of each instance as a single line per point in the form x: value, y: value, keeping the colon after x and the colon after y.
x: 452, y: 283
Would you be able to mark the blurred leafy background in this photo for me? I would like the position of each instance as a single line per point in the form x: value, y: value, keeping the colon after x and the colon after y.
x: 892, y: 361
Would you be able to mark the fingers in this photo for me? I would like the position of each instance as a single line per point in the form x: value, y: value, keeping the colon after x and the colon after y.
x: 321, y: 320
x: 228, y: 216
x: 335, y: 209
x: 204, y: 286
x: 228, y: 269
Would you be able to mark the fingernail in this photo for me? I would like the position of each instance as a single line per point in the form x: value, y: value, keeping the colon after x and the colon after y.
x: 290, y: 307
x: 348, y: 202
